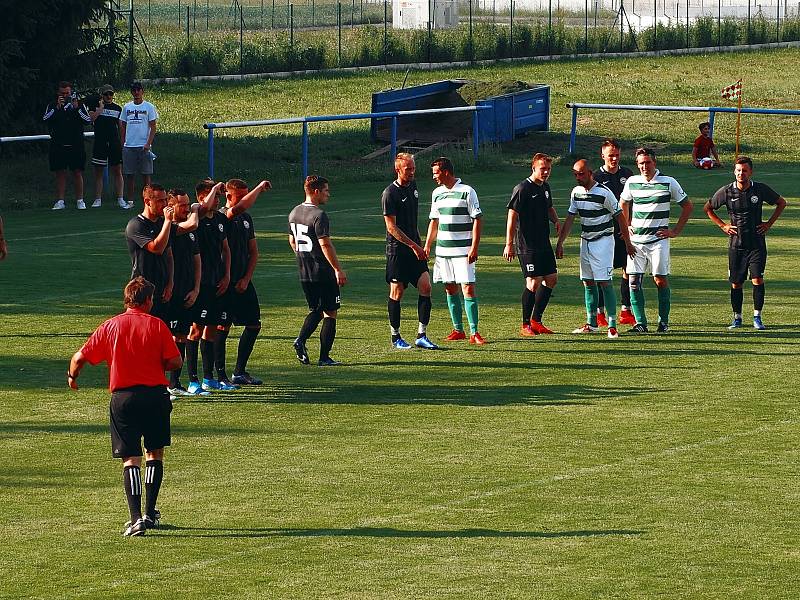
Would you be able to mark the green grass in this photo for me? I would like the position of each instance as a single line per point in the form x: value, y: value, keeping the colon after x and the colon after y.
x: 566, y: 467
x: 336, y: 148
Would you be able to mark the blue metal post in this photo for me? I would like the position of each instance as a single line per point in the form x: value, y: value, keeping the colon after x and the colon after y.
x: 475, y: 136
x: 394, y: 138
x: 574, y: 133
x: 305, y: 149
x: 711, y: 114
x: 211, y: 150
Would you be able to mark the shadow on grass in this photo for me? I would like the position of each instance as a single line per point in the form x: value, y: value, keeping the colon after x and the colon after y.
x: 388, y: 532
x: 14, y: 429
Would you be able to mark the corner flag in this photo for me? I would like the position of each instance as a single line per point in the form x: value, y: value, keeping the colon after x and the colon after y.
x: 734, y: 92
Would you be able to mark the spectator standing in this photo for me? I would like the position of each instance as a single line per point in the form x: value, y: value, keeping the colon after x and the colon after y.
x: 137, y: 130
x: 107, y: 145
x: 66, y: 118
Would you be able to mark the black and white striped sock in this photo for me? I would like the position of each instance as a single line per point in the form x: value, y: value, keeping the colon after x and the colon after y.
x: 132, y: 482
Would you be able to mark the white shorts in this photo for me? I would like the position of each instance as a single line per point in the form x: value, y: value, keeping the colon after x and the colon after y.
x: 453, y: 269
x: 655, y: 255
x: 597, y: 258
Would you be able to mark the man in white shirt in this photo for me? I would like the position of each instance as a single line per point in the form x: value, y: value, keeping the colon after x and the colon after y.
x: 137, y: 130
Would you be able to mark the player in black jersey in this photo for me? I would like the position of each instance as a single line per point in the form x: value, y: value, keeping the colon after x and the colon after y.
x: 240, y: 302
x: 747, y: 249
x: 530, y: 212
x: 107, y: 150
x: 406, y: 259
x: 186, y: 277
x: 215, y: 258
x: 148, y: 237
x: 614, y: 176
x: 320, y: 271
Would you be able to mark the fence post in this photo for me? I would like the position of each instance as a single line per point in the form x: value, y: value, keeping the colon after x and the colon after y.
x: 550, y: 27
x: 688, y: 43
x: 207, y: 17
x: 475, y: 136
x: 385, y: 32
x: 511, y: 31
x: 655, y: 24
x: 711, y: 115
x: 586, y: 26
x: 471, y: 41
x: 211, y: 150
x: 573, y: 134
x: 291, y: 37
x: 719, y: 23
x: 339, y: 30
x: 305, y: 149
x: 188, y: 39
x: 394, y: 138
x: 241, y: 41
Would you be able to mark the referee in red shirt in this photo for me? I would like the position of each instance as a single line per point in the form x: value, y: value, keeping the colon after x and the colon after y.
x: 138, y: 348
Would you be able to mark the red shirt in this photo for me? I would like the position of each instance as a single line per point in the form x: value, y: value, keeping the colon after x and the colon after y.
x: 135, y: 345
x: 704, y: 146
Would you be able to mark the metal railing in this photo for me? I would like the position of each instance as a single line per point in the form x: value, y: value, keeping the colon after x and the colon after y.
x: 711, y: 110
x: 393, y: 115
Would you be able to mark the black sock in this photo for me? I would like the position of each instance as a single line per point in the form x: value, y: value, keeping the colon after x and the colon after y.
x: 309, y: 325
x: 758, y: 297
x: 175, y: 376
x: 737, y: 299
x: 394, y: 316
x: 191, y: 359
x: 132, y: 482
x: 246, y: 343
x: 326, y: 336
x: 423, y: 310
x: 207, y: 354
x: 153, y: 475
x: 527, y: 305
x: 220, y: 343
x: 601, y: 299
x: 625, y: 292
x: 543, y: 294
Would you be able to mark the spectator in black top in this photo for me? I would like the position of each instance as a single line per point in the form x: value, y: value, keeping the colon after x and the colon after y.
x: 66, y: 118
x: 747, y: 248
x: 107, y: 146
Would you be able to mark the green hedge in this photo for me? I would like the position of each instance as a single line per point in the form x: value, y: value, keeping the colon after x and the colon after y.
x: 265, y: 52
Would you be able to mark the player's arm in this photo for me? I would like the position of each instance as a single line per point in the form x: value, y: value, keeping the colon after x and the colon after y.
x: 252, y: 259
x: 292, y: 243
x: 714, y: 154
x: 553, y: 215
x: 159, y: 244
x: 191, y: 296
x: 393, y: 230
x: 511, y: 228
x: 563, y: 234
x: 477, y: 228
x: 624, y: 232
x: 711, y: 213
x: 123, y: 128
x: 171, y: 364
x: 170, y: 276
x: 76, y: 363
x: 695, y: 158
x: 430, y: 235
x: 192, y: 222
x: 686, y: 212
x: 223, y: 284
x: 151, y: 134
x: 249, y: 199
x: 762, y: 228
x: 329, y: 251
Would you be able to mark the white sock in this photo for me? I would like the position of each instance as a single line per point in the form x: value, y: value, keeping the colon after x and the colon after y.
x: 421, y: 329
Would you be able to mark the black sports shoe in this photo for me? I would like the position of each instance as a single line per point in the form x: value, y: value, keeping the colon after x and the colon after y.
x: 328, y: 362
x: 639, y: 328
x: 135, y: 529
x: 246, y: 379
x: 302, y: 353
x: 152, y: 522
x: 662, y: 328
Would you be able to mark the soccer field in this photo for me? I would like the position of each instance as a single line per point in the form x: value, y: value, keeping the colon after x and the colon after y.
x: 561, y: 466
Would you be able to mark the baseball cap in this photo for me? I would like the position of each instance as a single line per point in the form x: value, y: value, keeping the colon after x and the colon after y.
x: 105, y: 88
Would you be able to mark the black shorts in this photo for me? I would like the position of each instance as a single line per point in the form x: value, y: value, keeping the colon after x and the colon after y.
x: 620, y: 253
x: 207, y: 307
x: 160, y: 309
x: 404, y: 267
x: 139, y: 412
x: 538, y: 263
x: 179, y: 317
x: 241, y: 309
x: 72, y: 158
x: 321, y: 295
x: 106, y: 152
x: 741, y: 261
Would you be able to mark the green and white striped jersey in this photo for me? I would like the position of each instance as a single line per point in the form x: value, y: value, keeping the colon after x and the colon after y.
x: 456, y: 209
x: 650, y: 205
x: 596, y: 208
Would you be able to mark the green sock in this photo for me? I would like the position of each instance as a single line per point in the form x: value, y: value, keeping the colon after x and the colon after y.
x: 664, y: 295
x: 471, y: 305
x: 611, y: 304
x: 637, y: 305
x: 454, y: 304
x: 591, y: 298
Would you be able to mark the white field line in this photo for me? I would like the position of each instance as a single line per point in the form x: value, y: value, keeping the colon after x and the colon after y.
x: 278, y: 541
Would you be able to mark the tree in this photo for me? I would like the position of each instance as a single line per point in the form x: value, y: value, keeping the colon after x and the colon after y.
x: 43, y: 42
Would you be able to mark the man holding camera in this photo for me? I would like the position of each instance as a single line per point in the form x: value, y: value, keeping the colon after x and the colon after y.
x: 66, y: 117
x: 137, y: 130
x: 107, y: 146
